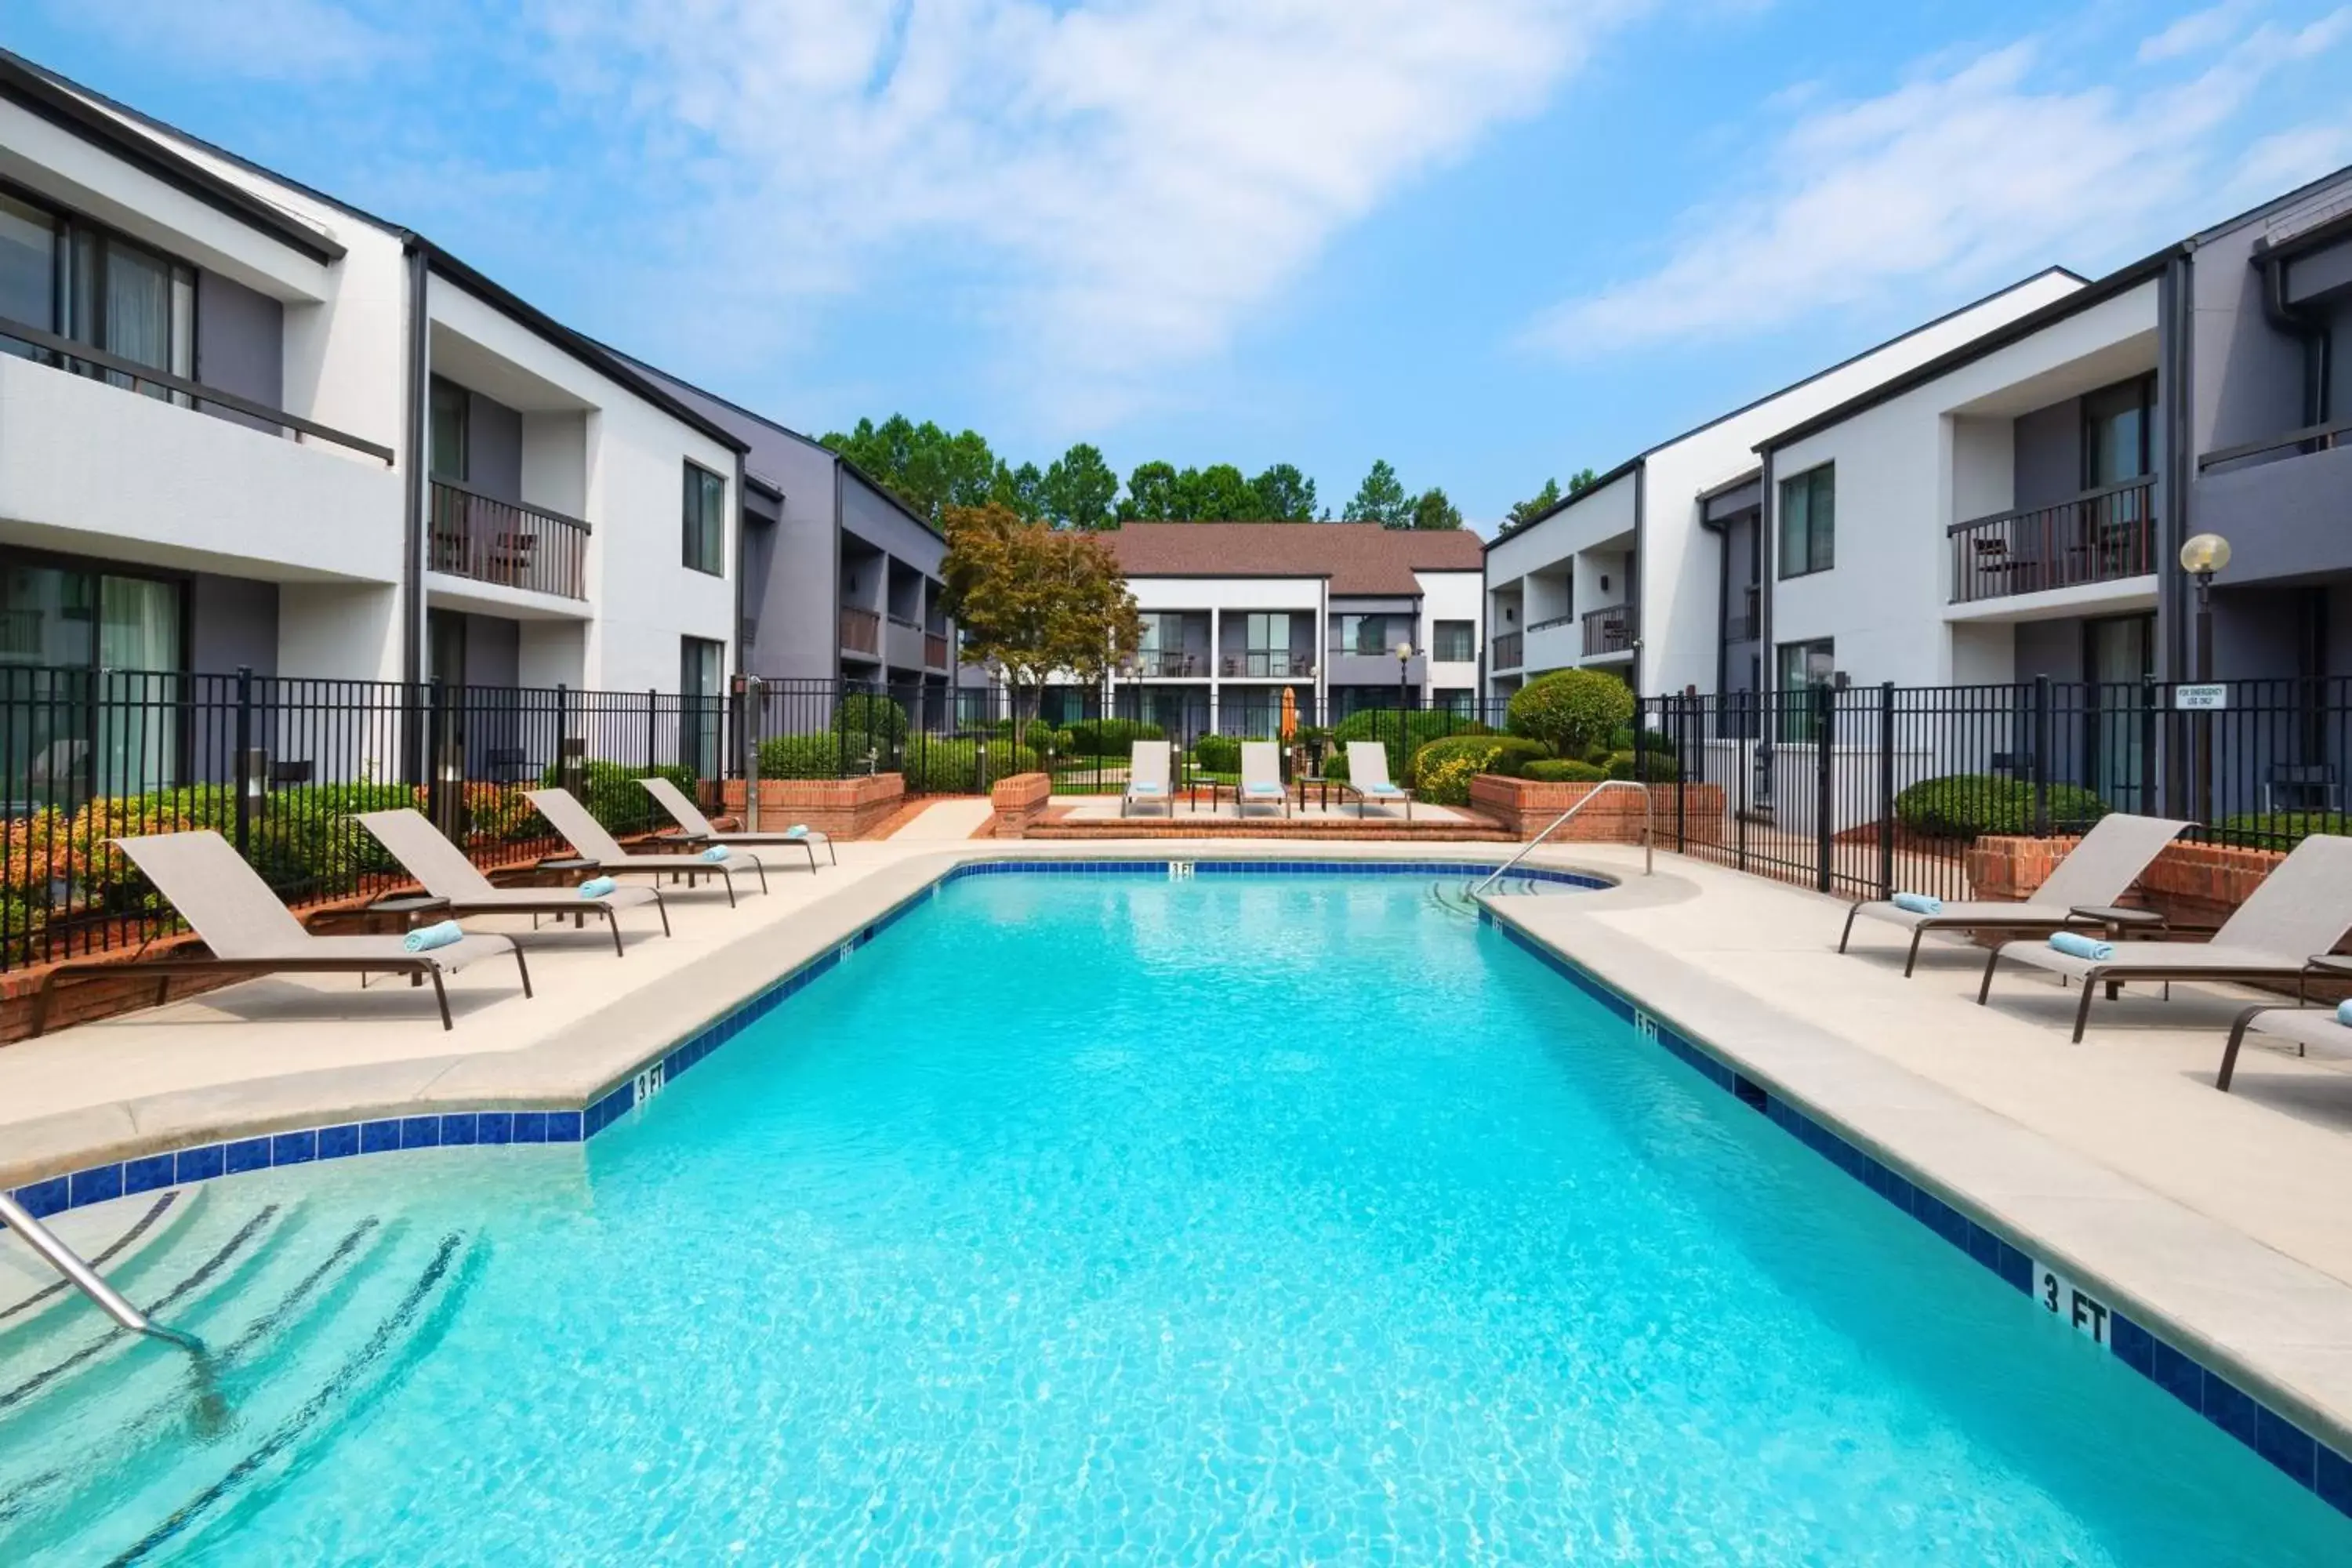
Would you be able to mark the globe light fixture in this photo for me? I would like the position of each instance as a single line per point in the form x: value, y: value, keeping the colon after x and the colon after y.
x: 2205, y: 554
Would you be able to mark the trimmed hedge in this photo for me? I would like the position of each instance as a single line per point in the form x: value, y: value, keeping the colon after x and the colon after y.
x: 1967, y: 805
x: 2280, y: 829
x: 1421, y: 727
x: 936, y: 766
x: 869, y: 713
x: 1656, y: 768
x: 1442, y: 770
x: 1625, y: 737
x: 1571, y: 711
x: 613, y: 797
x: 817, y: 756
x: 1563, y: 770
x: 1218, y: 753
x: 1110, y: 737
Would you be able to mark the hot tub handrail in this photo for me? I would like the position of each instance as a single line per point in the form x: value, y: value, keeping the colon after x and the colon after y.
x: 85, y: 1278
x: 1649, y: 833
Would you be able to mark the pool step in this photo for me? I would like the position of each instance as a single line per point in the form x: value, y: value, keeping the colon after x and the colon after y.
x: 1456, y: 897
x: 117, y: 1448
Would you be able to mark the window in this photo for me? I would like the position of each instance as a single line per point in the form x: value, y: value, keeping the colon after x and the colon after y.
x: 94, y: 660
x: 67, y: 276
x: 706, y: 521
x: 451, y: 406
x: 1457, y: 701
x: 2119, y: 433
x: 1805, y: 667
x: 1268, y: 645
x: 1808, y: 521
x: 701, y: 666
x: 1451, y: 642
x: 1371, y: 634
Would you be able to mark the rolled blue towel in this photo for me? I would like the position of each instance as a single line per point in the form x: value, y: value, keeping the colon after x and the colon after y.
x: 2086, y: 947
x: 797, y: 830
x: 424, y: 938
x: 597, y: 886
x: 2344, y: 1013
x: 717, y: 852
x: 1919, y: 903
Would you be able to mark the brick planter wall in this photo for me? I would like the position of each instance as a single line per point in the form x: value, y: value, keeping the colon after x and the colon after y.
x: 1526, y: 807
x: 2195, y: 884
x: 840, y: 808
x: 1020, y: 801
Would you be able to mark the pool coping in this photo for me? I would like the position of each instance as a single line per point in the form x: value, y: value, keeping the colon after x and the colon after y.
x: 2265, y: 1355
x: 1958, y: 1168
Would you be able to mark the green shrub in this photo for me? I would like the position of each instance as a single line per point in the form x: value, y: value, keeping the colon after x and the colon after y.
x: 870, y: 719
x: 1571, y: 711
x: 613, y: 797
x: 936, y: 766
x: 1965, y: 805
x: 1218, y: 754
x: 1654, y: 768
x: 818, y: 756
x: 1110, y: 737
x: 2280, y: 829
x: 1442, y: 769
x: 1626, y: 738
x: 1563, y: 770
x: 1421, y: 727
x: 303, y: 840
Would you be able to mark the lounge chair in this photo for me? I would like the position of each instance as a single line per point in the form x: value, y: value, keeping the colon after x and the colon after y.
x: 250, y: 931
x: 1260, y: 778
x: 2303, y: 909
x: 688, y: 815
x: 1146, y: 777
x: 588, y: 838
x: 2095, y: 873
x: 442, y: 869
x: 1367, y: 778
x: 2305, y: 1026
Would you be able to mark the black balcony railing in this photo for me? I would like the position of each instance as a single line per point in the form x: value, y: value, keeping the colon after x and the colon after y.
x: 1549, y: 622
x: 507, y: 543
x: 2310, y: 438
x: 1608, y: 630
x: 2104, y: 535
x: 1161, y: 664
x: 1508, y: 650
x: 81, y: 359
x: 1260, y: 663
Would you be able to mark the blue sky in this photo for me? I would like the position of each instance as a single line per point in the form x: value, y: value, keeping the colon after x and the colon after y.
x: 1489, y: 240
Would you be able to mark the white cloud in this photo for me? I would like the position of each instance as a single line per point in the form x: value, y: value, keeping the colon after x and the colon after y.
x: 1955, y: 180
x: 264, y: 39
x: 1115, y: 187
x: 2199, y: 32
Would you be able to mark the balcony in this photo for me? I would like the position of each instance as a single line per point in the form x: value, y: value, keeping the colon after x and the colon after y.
x: 1550, y: 621
x: 2104, y: 535
x: 935, y: 650
x: 1608, y: 630
x: 861, y: 631
x: 1169, y: 664
x: 2284, y: 504
x: 507, y: 544
x: 1264, y: 665
x: 1507, y: 650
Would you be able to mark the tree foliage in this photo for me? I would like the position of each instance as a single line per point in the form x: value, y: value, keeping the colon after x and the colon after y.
x: 1573, y: 711
x: 1380, y: 499
x: 1285, y: 495
x: 1080, y: 489
x: 922, y: 464
x: 1545, y: 498
x: 1034, y: 600
x: 1434, y: 511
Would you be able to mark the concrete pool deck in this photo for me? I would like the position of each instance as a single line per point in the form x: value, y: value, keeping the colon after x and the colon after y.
x: 2214, y: 1215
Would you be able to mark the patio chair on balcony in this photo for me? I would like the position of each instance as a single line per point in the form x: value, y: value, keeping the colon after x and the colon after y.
x: 1146, y: 777
x: 1260, y: 778
x: 1367, y: 778
x: 2301, y: 912
x: 574, y: 824
x: 2094, y: 874
x: 698, y: 830
x: 442, y: 871
x: 250, y: 932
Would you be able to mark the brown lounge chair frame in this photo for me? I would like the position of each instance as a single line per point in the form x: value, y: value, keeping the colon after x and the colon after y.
x: 164, y: 969
x: 2111, y: 977
x: 1911, y: 959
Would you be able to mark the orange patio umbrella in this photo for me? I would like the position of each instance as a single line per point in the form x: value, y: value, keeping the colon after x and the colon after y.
x: 1289, y: 715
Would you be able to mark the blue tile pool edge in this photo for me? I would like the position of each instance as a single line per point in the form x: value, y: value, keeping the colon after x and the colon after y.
x: 496, y: 1126
x: 2279, y: 1439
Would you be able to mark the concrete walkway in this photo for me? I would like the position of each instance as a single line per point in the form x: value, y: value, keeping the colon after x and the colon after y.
x: 948, y: 822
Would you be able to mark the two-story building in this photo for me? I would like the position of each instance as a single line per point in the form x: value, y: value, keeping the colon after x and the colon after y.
x: 1651, y: 571
x: 242, y: 424
x: 1341, y: 615
x: 2016, y: 508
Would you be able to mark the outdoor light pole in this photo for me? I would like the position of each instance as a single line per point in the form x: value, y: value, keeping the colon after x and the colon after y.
x: 2200, y: 556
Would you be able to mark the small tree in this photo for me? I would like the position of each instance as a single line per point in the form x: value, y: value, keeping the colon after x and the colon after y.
x: 1572, y: 710
x: 1034, y: 600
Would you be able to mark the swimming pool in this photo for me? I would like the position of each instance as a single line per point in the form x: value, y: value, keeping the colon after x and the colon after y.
x: 1123, y: 1219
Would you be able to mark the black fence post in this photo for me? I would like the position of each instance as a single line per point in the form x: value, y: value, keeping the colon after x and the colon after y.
x: 2149, y: 796
x: 243, y: 741
x: 1824, y: 783
x: 652, y: 728
x: 436, y: 766
x: 1886, y: 789
x: 2042, y: 756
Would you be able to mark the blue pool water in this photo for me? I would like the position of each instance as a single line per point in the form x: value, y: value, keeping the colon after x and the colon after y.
x: 1110, y: 1220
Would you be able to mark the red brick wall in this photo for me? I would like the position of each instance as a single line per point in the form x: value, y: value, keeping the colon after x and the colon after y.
x: 840, y: 808
x: 1526, y: 807
x: 1020, y: 801
x: 2193, y: 884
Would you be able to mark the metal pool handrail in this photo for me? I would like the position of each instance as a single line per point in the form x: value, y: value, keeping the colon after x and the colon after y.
x: 86, y: 1280
x: 1648, y: 834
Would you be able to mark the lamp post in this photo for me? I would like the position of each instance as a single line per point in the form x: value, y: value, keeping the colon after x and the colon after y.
x: 2202, y: 555
x: 1404, y: 669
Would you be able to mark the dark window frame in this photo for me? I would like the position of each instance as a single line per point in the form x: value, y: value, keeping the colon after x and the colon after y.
x: 1821, y: 542
x: 69, y: 226
x: 1468, y: 642
x: 699, y: 528
x: 2145, y: 387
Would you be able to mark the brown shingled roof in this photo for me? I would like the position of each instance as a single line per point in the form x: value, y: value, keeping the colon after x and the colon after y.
x: 1357, y: 557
